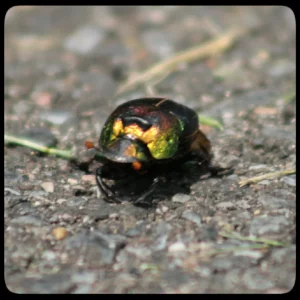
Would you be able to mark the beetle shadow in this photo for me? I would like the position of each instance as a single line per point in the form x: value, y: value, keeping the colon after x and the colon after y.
x: 172, y: 182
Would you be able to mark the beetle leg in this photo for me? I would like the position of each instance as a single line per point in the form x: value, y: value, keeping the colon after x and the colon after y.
x: 143, y: 197
x: 219, y: 171
x: 104, y: 188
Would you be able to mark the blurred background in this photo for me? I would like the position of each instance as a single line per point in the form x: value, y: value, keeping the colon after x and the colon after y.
x: 67, y: 68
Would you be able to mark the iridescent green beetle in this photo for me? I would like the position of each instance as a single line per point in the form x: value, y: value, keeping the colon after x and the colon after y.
x: 147, y: 133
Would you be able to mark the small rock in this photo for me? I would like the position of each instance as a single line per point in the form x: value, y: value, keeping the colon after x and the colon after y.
x: 260, y: 167
x: 264, y: 182
x: 42, y: 99
x: 255, y: 280
x: 233, y: 177
x: 289, y: 180
x: 48, y: 186
x: 158, y: 43
x: 256, y: 212
x: 177, y: 247
x: 84, y: 40
x: 77, y: 201
x: 267, y: 224
x: 59, y: 233
x: 139, y: 251
x: 38, y: 194
x: 279, y: 255
x: 89, y: 178
x: 181, y: 198
x: 281, y: 68
x: 226, y: 205
x: 265, y: 111
x: 97, y: 249
x: 28, y: 220
x: 84, y: 277
x: 274, y: 202
x: 244, y: 204
x: 72, y: 181
x: 222, y: 263
x: 61, y: 201
x: 49, y: 255
x: 258, y: 142
x: 21, y: 107
x: 191, y: 216
x: 249, y: 253
x: 57, y: 117
x: 164, y: 209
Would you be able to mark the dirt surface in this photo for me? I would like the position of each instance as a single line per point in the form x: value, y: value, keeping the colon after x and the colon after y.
x: 63, y: 67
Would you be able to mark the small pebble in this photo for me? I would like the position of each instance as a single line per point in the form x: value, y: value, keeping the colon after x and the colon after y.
x: 59, y: 233
x: 226, y: 205
x: 176, y: 247
x: 57, y: 117
x: 260, y: 167
x: 89, y: 178
x: 289, y: 180
x: 61, y: 201
x: 181, y: 198
x: 264, y: 182
x: 164, y: 209
x: 189, y: 215
x: 72, y: 181
x: 48, y: 186
x: 84, y: 40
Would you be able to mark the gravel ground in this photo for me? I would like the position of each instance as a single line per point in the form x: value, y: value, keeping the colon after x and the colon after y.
x: 63, y: 66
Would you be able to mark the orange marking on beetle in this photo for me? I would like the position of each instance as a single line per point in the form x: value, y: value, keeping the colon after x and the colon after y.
x: 89, y: 145
x: 130, y: 151
x: 136, y: 165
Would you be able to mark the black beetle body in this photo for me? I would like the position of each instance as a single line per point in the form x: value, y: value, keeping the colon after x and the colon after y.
x: 144, y: 133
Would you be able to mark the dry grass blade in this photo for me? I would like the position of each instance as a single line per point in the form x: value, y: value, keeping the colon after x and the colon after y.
x: 267, y: 176
x: 235, y: 235
x: 208, y: 49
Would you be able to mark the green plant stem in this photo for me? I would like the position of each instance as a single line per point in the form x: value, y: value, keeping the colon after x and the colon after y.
x: 67, y: 154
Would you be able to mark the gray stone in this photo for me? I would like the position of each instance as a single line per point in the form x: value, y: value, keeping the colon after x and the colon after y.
x: 84, y: 40
x: 77, y: 201
x: 255, y: 280
x: 280, y: 255
x: 181, y: 198
x: 191, y: 216
x: 282, y: 67
x: 93, y: 247
x: 289, y: 180
x: 158, y: 43
x: 32, y: 220
x: 57, y: 117
x: 274, y: 202
x: 226, y: 205
x: 221, y: 263
x: 267, y: 224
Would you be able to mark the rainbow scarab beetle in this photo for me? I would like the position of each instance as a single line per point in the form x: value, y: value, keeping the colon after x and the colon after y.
x: 149, y: 136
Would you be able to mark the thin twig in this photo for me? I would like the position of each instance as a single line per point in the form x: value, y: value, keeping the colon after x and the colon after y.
x: 9, y: 139
x: 256, y: 179
x: 237, y: 236
x: 208, y: 49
